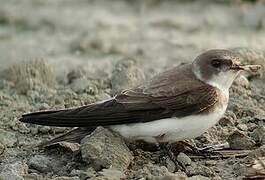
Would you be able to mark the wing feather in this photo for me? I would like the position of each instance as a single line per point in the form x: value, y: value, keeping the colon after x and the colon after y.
x: 173, y: 93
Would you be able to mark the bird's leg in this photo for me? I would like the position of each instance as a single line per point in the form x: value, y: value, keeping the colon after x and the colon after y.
x: 166, y: 151
x: 206, y: 151
x: 163, y: 151
x: 215, y: 147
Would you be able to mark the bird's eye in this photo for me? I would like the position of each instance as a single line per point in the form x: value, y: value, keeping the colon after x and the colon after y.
x: 216, y: 63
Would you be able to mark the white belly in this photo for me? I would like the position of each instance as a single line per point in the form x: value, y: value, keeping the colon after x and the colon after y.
x: 172, y: 129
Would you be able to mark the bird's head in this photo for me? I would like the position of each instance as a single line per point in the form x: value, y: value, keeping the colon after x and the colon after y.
x: 219, y: 67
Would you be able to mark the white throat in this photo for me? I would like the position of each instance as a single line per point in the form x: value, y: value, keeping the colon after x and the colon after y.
x: 222, y: 81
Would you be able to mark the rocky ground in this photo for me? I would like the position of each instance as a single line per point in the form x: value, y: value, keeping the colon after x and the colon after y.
x: 60, y: 54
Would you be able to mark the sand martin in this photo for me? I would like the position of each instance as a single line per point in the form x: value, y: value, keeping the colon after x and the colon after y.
x: 178, y: 104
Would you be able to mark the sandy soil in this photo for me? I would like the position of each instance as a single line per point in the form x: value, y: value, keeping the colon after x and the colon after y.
x: 57, y: 54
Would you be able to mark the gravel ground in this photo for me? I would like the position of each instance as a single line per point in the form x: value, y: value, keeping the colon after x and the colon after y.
x: 60, y: 54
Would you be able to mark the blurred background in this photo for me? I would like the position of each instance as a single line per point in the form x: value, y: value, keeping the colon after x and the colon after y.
x: 67, y: 33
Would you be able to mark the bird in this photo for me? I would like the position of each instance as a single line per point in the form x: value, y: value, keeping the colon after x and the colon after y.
x: 178, y: 104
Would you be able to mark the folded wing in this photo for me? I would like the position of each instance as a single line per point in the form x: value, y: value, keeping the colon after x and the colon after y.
x: 172, y: 93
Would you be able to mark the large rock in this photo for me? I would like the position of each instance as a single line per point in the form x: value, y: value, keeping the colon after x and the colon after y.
x: 103, y: 149
x: 41, y: 163
x: 14, y: 171
x: 238, y: 140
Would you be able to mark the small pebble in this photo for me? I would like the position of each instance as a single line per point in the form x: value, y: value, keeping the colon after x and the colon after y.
x: 226, y: 121
x: 183, y: 159
x: 112, y: 174
x: 40, y: 163
x: 242, y: 127
x: 210, y: 163
x: 197, y: 169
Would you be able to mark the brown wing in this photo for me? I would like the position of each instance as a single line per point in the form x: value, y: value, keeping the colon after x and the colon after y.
x: 172, y: 93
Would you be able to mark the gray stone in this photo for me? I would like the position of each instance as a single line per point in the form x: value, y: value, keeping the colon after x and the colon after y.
x: 198, y: 177
x: 14, y: 171
x: 44, y: 129
x: 170, y: 176
x: 210, y: 163
x: 103, y: 149
x: 229, y: 119
x: 183, y: 159
x: 242, y: 127
x: 258, y: 135
x: 112, y: 174
x: 155, y: 172
x: 171, y: 166
x: 198, y: 169
x: 66, y: 178
x: 240, y: 169
x: 41, y: 163
x: 225, y: 121
x: 7, y: 138
x: 84, y: 174
x: 33, y: 176
x: 238, y: 140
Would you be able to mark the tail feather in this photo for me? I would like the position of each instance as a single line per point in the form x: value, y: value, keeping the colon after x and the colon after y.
x: 97, y: 114
x: 60, y: 118
x: 73, y: 136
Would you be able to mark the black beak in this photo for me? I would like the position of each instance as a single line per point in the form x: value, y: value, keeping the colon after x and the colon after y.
x: 249, y: 68
x: 237, y: 67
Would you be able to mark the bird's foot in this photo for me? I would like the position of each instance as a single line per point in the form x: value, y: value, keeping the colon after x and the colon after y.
x: 206, y: 152
x: 166, y: 152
